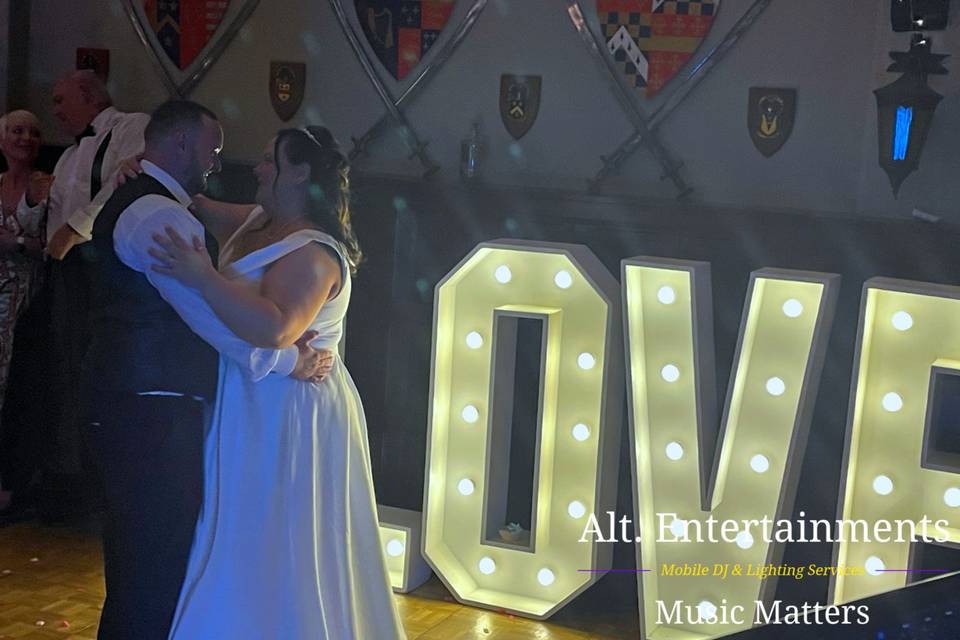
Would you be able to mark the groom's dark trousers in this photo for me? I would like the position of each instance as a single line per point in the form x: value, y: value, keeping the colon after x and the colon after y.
x: 151, y: 460
x: 147, y: 378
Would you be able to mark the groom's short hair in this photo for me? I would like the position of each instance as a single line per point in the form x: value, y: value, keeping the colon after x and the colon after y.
x: 173, y: 115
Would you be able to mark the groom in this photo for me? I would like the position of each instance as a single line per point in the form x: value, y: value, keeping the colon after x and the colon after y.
x: 151, y: 373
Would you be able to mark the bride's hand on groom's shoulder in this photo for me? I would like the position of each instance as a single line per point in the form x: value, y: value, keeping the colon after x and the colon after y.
x: 188, y: 263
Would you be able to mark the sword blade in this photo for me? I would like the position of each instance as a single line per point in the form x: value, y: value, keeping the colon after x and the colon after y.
x: 154, y: 54
x: 181, y: 87
x: 436, y: 62
x: 451, y: 45
x: 637, y: 117
x: 221, y: 43
x: 696, y: 75
x: 416, y: 147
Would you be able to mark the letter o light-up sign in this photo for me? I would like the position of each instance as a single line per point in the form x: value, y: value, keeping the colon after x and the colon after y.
x: 575, y: 471
x: 668, y: 314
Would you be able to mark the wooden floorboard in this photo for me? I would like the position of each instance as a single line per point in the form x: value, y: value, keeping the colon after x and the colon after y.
x: 51, y: 586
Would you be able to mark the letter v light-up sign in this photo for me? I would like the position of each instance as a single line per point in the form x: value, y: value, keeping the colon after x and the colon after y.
x: 909, y: 343
x: 476, y: 311
x: 753, y: 473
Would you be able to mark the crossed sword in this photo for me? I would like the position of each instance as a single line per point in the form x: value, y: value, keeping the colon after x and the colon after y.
x: 417, y: 148
x: 645, y: 127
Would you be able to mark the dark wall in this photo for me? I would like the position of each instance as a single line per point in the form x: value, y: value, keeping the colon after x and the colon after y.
x: 834, y: 54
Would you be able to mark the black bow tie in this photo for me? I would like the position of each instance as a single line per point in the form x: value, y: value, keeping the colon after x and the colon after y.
x: 86, y: 132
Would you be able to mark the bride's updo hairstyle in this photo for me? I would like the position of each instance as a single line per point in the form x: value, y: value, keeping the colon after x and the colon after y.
x: 328, y: 191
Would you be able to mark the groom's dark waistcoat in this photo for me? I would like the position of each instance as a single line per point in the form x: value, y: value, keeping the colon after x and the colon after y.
x: 138, y: 342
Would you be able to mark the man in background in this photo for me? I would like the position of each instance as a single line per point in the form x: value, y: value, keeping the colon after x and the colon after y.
x: 83, y: 181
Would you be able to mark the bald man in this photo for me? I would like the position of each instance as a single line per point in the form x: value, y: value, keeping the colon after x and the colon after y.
x: 84, y: 181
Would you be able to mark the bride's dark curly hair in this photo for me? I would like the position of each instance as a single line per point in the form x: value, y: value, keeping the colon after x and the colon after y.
x: 328, y: 196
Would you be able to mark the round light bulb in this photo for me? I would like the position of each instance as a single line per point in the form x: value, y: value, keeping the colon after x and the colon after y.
x: 902, y: 320
x: 874, y: 565
x: 666, y: 295
x: 775, y: 386
x: 744, y: 540
x: 792, y: 308
x: 581, y: 432
x: 470, y: 414
x: 586, y: 361
x: 487, y: 565
x: 465, y: 487
x: 545, y: 577
x: 883, y: 485
x: 576, y: 510
x: 759, y: 463
x: 474, y: 340
x: 707, y: 611
x: 670, y: 373
x: 563, y: 279
x: 503, y: 274
x: 395, y: 548
x: 892, y: 402
x: 951, y: 497
x: 674, y: 451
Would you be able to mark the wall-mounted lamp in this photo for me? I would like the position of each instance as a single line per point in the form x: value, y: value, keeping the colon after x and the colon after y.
x: 905, y: 109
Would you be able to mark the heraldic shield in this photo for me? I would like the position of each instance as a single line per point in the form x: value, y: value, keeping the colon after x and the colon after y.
x: 651, y: 40
x: 519, y: 103
x: 401, y: 32
x: 288, y: 81
x: 187, y: 36
x: 770, y: 117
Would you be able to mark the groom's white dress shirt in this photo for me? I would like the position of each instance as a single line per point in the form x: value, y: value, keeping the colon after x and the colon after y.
x: 133, y: 236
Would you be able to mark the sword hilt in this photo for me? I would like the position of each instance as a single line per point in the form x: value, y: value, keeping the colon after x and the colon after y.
x: 418, y: 150
x: 359, y: 146
x: 671, y: 170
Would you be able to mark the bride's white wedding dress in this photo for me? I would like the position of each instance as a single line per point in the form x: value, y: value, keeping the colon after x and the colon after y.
x: 287, y: 545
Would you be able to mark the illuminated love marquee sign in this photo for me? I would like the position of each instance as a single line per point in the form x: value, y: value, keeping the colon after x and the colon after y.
x: 909, y: 339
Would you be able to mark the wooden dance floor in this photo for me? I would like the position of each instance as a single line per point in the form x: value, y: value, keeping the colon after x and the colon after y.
x: 51, y: 586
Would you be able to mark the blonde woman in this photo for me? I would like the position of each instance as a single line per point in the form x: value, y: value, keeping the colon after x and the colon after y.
x: 21, y: 246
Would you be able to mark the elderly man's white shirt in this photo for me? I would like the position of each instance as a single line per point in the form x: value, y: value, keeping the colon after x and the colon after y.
x: 69, y: 201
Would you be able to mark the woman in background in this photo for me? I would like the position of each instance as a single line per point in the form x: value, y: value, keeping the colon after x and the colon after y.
x: 21, y: 247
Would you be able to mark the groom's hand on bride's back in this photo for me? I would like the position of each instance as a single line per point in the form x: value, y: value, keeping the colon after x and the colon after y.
x: 313, y: 365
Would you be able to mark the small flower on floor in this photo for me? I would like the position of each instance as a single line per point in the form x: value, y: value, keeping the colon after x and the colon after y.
x: 64, y: 624
x: 34, y: 559
x: 40, y: 623
x: 6, y: 572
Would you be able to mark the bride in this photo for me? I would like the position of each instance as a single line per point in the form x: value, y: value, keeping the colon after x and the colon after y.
x: 287, y: 545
